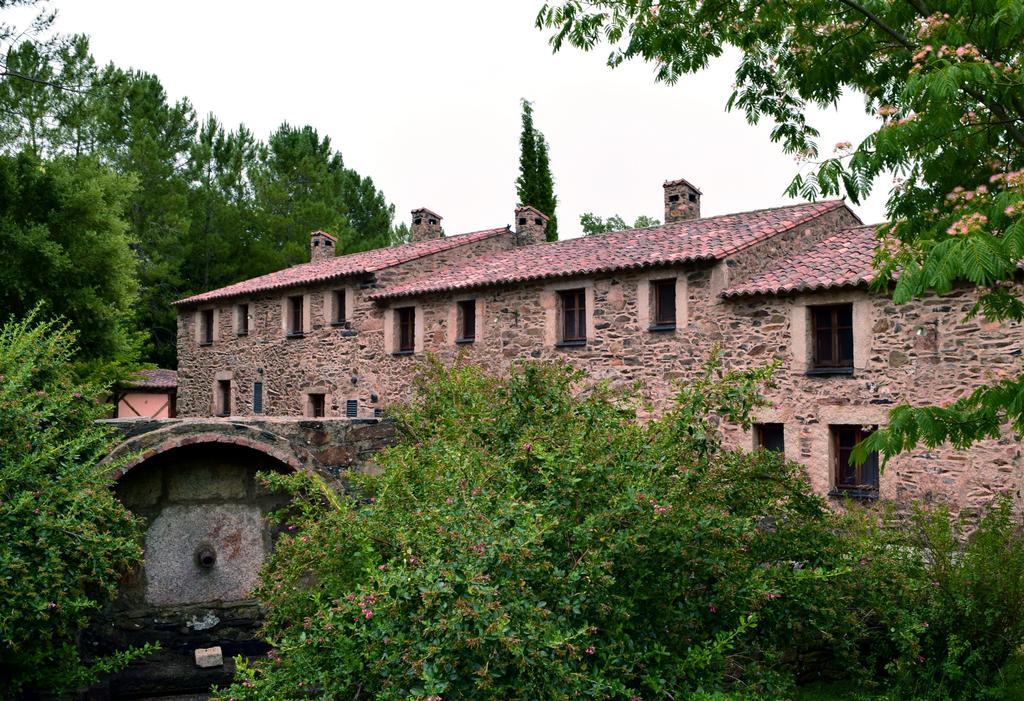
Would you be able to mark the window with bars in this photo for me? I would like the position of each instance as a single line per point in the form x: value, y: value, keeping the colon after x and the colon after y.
x: 664, y: 293
x: 852, y: 479
x: 352, y: 408
x: 832, y: 338
x: 296, y: 312
x: 257, y: 397
x: 574, y: 316
x: 206, y: 327
x: 338, y: 308
x: 406, y: 321
x: 770, y: 437
x: 467, y: 321
x: 242, y: 320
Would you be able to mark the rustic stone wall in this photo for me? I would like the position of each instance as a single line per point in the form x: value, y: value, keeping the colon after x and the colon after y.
x: 921, y: 353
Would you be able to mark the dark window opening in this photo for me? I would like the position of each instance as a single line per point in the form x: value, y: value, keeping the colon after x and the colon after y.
x: 538, y: 221
x: 522, y: 221
x: 832, y: 336
x: 406, y: 329
x: 417, y: 220
x: 243, y: 320
x: 770, y: 437
x: 574, y: 316
x: 664, y: 304
x: 673, y: 198
x: 433, y: 221
x: 339, y: 307
x: 223, y: 397
x: 467, y: 321
x: 693, y: 197
x: 351, y: 408
x: 317, y: 405
x: 855, y: 480
x: 295, y: 314
x: 257, y: 397
x: 206, y: 327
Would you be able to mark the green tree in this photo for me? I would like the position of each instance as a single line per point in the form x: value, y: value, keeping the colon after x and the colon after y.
x: 944, y: 78
x: 65, y: 541
x: 535, y: 185
x: 593, y: 224
x: 67, y: 248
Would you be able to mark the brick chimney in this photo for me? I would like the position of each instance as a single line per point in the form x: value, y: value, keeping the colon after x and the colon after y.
x: 426, y: 225
x: 321, y: 246
x: 531, y: 225
x: 682, y: 201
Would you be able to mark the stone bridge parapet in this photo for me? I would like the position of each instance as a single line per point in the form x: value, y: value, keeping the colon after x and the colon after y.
x: 324, y: 446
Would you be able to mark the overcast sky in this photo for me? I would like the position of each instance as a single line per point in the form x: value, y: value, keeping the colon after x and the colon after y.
x: 424, y: 98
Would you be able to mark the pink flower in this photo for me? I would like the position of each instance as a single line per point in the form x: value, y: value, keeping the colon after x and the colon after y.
x: 712, y: 608
x: 591, y: 650
x: 367, y: 614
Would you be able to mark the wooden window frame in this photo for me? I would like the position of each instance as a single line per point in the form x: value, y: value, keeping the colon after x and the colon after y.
x: 339, y: 308
x: 207, y: 318
x: 242, y: 319
x: 836, y: 365
x: 466, y: 320
x: 862, y: 484
x: 296, y: 310
x: 573, y: 306
x: 760, y: 435
x: 317, y: 402
x: 405, y: 330
x: 663, y: 321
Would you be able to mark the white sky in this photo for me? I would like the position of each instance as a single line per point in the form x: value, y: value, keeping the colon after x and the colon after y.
x: 424, y: 98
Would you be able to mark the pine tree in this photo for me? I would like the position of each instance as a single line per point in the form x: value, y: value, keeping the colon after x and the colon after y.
x: 535, y: 185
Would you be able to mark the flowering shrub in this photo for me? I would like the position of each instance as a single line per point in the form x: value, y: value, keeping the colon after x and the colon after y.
x: 64, y: 539
x: 526, y: 540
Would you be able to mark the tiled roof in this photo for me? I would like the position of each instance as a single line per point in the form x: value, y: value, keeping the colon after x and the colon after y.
x: 841, y: 260
x: 157, y: 378
x: 697, y: 239
x: 341, y: 266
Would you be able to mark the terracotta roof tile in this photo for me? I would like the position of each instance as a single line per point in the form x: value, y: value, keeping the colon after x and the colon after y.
x: 341, y: 266
x: 841, y: 260
x: 156, y: 378
x: 699, y: 239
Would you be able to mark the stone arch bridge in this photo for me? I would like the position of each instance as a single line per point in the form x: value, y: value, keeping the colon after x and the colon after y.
x: 193, y: 481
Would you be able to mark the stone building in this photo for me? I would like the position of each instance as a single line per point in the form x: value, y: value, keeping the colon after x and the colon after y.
x: 342, y: 336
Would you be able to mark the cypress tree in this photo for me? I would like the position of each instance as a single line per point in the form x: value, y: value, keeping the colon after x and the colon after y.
x: 535, y: 184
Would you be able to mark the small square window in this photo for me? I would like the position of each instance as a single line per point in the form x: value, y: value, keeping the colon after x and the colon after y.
x: 223, y: 397
x: 206, y: 327
x: 338, y: 308
x: 466, y: 321
x: 406, y: 320
x: 853, y: 480
x: 664, y: 294
x: 832, y: 338
x: 317, y: 404
x: 574, y: 316
x: 242, y: 320
x: 295, y: 316
x: 770, y: 437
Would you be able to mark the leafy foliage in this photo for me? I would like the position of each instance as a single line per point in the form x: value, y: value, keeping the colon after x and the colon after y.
x: 67, y: 250
x: 593, y: 224
x: 535, y: 185
x: 65, y: 541
x: 212, y: 205
x: 944, y: 79
x: 528, y: 538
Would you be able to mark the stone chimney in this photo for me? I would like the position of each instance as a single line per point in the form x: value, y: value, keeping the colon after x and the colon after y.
x: 321, y: 246
x: 682, y: 201
x: 426, y: 225
x: 531, y: 225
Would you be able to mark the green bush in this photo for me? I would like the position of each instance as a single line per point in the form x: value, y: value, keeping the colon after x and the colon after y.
x: 529, y: 539
x: 65, y: 540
